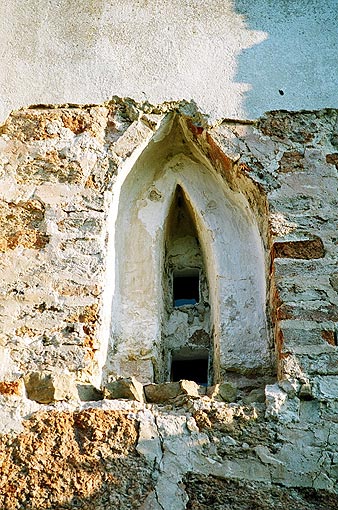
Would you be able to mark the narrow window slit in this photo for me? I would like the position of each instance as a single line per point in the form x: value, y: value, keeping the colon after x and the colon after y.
x: 186, y: 287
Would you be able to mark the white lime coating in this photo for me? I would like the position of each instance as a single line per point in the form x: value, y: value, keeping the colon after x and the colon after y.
x: 234, y: 58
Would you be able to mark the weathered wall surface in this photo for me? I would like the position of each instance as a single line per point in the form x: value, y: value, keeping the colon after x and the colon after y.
x: 191, y: 453
x: 235, y: 58
x: 229, y: 238
x: 61, y: 170
x: 61, y: 206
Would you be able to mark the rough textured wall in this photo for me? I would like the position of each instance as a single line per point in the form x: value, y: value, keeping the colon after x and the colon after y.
x: 74, y: 460
x: 293, y: 156
x: 187, y: 454
x: 236, y: 58
x: 59, y: 169
x: 58, y: 172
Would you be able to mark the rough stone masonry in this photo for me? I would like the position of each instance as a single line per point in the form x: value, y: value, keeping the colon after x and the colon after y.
x: 89, y: 416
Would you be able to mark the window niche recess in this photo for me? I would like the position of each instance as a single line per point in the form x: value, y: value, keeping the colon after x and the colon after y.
x: 187, y: 327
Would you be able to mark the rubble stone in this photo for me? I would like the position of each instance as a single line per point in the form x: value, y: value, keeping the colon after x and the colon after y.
x: 225, y: 391
x: 166, y: 392
x: 22, y: 224
x: 255, y: 395
x: 88, y: 393
x: 12, y: 387
x: 129, y: 388
x: 204, y: 491
x: 46, y: 387
x: 279, y: 406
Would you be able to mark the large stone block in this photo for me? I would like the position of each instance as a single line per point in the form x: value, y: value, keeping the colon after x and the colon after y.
x: 128, y: 388
x: 326, y: 387
x: 319, y: 363
x: 159, y: 393
x: 310, y: 247
x: 47, y: 387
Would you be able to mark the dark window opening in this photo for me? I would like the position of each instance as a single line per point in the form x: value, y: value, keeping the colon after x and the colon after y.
x: 186, y: 289
x: 190, y: 369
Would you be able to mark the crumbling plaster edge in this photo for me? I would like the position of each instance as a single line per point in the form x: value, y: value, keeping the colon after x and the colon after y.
x: 188, y: 108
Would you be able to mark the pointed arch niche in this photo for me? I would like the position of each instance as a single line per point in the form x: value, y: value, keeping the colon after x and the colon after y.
x: 187, y: 269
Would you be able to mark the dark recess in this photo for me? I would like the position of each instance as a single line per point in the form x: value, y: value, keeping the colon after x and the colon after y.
x: 186, y: 290
x: 190, y: 369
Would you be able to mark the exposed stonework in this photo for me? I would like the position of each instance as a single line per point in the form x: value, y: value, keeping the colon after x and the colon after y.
x: 124, y: 388
x: 22, y: 224
x: 83, y: 216
x: 46, y: 387
x: 11, y: 388
x: 132, y: 455
x: 74, y: 460
x: 211, y: 492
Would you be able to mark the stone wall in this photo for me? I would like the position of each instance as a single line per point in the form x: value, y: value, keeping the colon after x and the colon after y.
x: 62, y: 172
x: 189, y: 453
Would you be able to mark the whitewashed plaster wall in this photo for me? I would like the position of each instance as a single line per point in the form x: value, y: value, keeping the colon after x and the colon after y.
x: 232, y: 249
x: 235, y: 58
